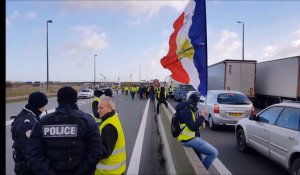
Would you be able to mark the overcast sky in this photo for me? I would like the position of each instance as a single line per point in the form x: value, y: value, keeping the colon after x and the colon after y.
x: 127, y: 35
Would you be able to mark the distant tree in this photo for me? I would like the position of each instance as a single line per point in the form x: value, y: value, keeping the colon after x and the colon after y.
x: 9, y: 84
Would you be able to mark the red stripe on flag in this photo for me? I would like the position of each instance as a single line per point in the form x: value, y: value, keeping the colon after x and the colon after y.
x: 170, y: 61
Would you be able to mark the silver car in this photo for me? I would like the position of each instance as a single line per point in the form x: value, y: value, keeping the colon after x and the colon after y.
x: 274, y: 132
x: 225, y: 107
x: 86, y: 93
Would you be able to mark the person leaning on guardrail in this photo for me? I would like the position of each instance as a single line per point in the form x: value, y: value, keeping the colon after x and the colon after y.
x: 65, y: 142
x: 112, y: 136
x: 190, y: 123
x: 21, y: 128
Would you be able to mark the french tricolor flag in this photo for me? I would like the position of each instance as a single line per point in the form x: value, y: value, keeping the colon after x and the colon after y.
x: 187, y: 56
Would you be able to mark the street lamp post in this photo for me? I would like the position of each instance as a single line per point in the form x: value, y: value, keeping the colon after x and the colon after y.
x: 95, y: 70
x: 243, y: 37
x: 49, y: 21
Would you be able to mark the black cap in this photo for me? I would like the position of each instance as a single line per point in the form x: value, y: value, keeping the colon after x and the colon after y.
x: 37, y: 100
x: 108, y: 92
x: 194, y: 98
x: 98, y: 93
x: 67, y: 94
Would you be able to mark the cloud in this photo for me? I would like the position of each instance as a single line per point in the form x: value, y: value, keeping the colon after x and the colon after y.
x: 297, y: 32
x: 165, y: 33
x: 225, y: 48
x: 31, y: 15
x: 15, y: 15
x: 296, y: 43
x: 270, y: 51
x: 90, y: 40
x: 134, y: 22
x: 142, y: 10
x: 7, y: 22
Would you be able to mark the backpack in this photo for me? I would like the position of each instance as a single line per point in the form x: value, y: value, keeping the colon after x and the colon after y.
x: 175, y: 126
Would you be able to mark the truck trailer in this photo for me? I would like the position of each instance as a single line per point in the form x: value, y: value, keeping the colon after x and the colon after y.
x: 277, y: 81
x: 236, y: 75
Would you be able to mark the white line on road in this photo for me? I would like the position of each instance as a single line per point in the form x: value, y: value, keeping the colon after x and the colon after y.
x: 135, y: 159
x: 217, y: 163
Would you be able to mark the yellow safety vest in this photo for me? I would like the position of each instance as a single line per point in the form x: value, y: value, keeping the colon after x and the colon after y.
x: 159, y: 94
x: 186, y: 133
x: 116, y: 162
x: 98, y: 120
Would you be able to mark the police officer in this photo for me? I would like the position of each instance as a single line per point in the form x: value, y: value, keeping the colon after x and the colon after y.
x: 65, y: 142
x: 94, y: 105
x: 162, y: 98
x: 113, y: 139
x: 21, y: 129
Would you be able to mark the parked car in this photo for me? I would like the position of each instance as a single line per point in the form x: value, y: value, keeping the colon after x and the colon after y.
x: 181, y: 92
x: 225, y: 107
x: 86, y: 93
x: 274, y: 132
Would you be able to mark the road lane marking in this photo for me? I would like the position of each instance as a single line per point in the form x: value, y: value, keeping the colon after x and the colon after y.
x: 135, y: 159
x: 217, y: 163
x: 50, y: 111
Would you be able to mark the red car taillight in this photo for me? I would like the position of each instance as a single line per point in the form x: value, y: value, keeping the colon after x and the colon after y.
x: 216, y: 109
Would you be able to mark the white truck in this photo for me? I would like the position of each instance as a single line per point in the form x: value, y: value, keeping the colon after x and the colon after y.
x: 236, y: 75
x: 277, y: 80
x: 175, y: 83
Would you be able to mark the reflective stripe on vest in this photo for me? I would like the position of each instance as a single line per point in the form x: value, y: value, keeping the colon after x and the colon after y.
x: 110, y: 167
x: 165, y: 94
x: 187, y: 134
x: 116, y: 162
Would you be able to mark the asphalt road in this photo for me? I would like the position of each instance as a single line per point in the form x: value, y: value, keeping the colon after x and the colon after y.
x: 252, y: 163
x: 130, y: 114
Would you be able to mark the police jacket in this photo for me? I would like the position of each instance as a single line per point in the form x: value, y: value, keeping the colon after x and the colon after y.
x: 184, y: 111
x: 20, y: 130
x: 65, y: 142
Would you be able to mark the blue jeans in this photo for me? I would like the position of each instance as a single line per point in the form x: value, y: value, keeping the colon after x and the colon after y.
x: 201, y: 147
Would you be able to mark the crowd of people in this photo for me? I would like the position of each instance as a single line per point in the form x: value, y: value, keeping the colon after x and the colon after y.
x: 72, y: 142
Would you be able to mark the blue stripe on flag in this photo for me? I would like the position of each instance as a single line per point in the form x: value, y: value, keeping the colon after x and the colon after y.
x: 198, y: 37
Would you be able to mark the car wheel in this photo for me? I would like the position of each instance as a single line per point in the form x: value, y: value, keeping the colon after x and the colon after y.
x: 211, y: 123
x: 241, y: 141
x: 296, y: 167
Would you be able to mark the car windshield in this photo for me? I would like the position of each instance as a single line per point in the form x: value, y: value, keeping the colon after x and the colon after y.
x: 85, y: 90
x: 187, y: 88
x: 232, y: 98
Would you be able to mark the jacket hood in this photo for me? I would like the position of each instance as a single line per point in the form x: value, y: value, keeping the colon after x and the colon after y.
x: 181, y: 105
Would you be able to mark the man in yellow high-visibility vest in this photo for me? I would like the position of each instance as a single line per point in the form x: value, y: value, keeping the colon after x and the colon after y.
x: 113, y: 139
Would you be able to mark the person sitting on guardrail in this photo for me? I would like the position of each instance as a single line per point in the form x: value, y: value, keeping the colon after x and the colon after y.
x: 190, y: 123
x: 21, y: 129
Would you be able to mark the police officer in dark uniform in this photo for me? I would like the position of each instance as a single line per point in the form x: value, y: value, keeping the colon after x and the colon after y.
x: 66, y: 142
x: 21, y: 129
